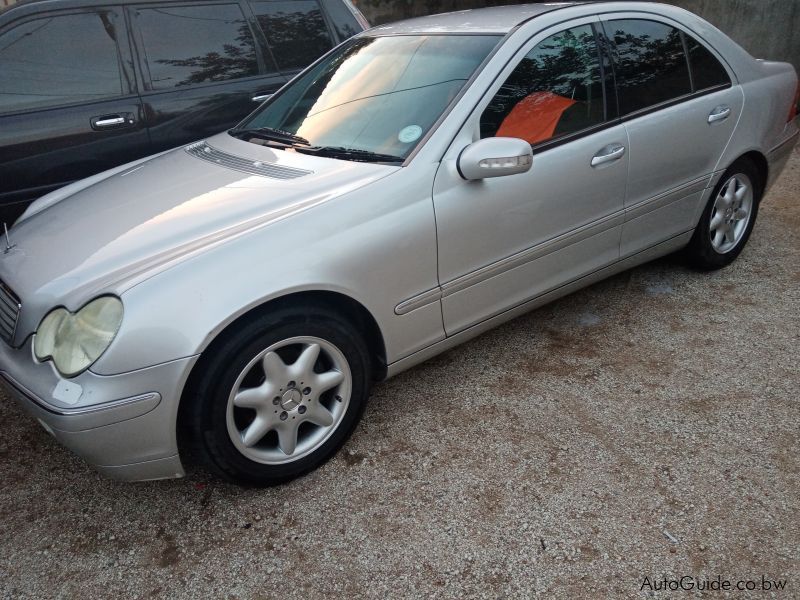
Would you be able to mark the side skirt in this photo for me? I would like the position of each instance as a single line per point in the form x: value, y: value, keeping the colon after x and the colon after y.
x: 661, y: 249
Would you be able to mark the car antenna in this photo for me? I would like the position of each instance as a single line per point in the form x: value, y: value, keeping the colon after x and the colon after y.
x: 9, y: 245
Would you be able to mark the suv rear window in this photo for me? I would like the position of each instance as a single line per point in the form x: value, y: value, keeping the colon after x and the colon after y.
x: 651, y: 65
x: 85, y: 67
x: 296, y: 31
x: 186, y: 45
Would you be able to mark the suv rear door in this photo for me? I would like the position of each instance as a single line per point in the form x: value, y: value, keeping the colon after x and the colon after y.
x: 204, y: 68
x: 68, y: 102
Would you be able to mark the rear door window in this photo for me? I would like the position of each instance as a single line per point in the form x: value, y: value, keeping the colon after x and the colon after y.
x: 556, y: 90
x: 296, y: 31
x: 188, y: 45
x: 60, y: 59
x: 650, y: 66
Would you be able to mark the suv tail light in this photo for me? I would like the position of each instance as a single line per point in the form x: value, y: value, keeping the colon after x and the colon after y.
x: 794, y: 110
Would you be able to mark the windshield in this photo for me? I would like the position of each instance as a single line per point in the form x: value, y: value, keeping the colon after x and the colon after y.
x: 375, y: 95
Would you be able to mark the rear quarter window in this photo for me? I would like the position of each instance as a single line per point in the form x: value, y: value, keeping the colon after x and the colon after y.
x: 342, y: 20
x: 707, y: 71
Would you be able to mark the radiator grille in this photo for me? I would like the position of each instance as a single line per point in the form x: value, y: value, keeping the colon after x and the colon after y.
x: 205, y: 152
x: 9, y: 312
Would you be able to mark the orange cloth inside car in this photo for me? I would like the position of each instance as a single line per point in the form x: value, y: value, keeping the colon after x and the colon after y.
x: 535, y: 117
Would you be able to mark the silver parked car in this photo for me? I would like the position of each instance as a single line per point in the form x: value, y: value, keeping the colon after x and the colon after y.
x: 231, y: 301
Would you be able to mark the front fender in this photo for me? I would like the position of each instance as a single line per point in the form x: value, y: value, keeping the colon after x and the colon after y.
x: 376, y: 245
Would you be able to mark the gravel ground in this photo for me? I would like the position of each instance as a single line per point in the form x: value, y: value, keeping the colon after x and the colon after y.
x: 644, y: 427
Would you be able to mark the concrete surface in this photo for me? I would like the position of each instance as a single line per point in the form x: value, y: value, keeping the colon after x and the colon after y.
x: 767, y: 29
x: 644, y: 427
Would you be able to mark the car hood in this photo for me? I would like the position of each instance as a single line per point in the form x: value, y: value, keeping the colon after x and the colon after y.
x: 119, y: 229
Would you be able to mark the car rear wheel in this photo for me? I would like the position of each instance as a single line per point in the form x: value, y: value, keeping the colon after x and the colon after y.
x: 728, y: 218
x: 279, y: 396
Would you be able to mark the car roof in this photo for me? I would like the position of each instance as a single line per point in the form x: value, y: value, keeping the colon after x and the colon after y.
x: 496, y: 19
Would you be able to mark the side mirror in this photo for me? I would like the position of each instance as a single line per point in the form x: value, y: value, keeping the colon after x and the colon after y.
x: 495, y: 157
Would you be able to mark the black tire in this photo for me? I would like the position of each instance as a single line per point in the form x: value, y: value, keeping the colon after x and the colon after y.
x: 204, y: 416
x: 700, y: 253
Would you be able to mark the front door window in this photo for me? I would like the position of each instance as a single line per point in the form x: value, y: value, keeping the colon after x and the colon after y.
x: 556, y: 90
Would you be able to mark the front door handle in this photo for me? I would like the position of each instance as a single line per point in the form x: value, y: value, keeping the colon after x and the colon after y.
x: 260, y: 97
x: 720, y: 113
x: 112, y: 121
x: 608, y: 154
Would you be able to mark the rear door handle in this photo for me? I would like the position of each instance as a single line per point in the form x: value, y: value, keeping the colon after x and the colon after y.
x: 112, y: 121
x: 720, y: 113
x: 608, y: 154
x: 260, y: 97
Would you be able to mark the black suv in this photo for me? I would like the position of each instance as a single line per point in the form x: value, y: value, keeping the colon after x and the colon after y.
x: 86, y: 85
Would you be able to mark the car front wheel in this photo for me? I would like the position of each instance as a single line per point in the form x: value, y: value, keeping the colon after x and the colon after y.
x: 279, y: 396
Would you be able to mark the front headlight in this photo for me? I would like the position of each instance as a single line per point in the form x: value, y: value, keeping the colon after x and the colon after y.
x: 75, y: 341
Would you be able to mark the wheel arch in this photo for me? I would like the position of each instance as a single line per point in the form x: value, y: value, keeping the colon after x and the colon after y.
x: 340, y: 303
x: 758, y: 159
x: 189, y: 445
x: 754, y: 156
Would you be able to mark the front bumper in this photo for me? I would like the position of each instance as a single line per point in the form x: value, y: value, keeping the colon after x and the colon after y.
x: 122, y: 425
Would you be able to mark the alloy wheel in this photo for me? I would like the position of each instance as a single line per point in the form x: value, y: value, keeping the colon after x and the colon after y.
x: 731, y: 213
x: 289, y: 400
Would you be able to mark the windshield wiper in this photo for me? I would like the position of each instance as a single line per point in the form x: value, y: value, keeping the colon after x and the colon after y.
x: 351, y: 153
x: 301, y: 144
x: 271, y: 134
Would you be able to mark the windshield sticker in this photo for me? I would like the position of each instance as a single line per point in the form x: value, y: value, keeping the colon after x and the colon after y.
x: 409, y: 134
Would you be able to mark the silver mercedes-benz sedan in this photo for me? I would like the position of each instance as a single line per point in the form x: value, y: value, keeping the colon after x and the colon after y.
x: 231, y: 301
